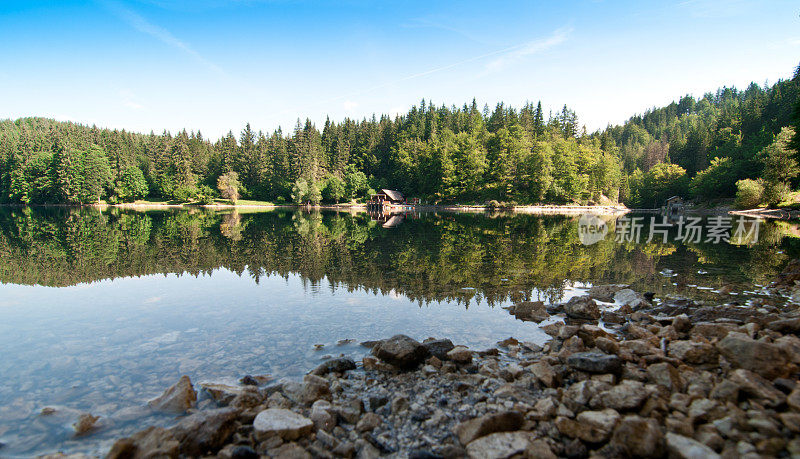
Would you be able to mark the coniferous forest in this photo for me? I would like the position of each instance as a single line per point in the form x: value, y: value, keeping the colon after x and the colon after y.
x: 732, y: 143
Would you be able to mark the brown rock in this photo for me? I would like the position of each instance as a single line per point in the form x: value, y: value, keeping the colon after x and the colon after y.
x: 639, y: 437
x: 534, y: 311
x: 628, y: 395
x: 665, y: 375
x: 152, y: 442
x: 460, y: 354
x: 368, y: 422
x: 757, y: 387
x: 205, y: 431
x: 583, y: 308
x: 400, y: 351
x: 472, y: 429
x: 693, y: 352
x: 85, y: 424
x: 177, y: 399
x: 590, y: 426
x: 766, y: 359
x: 544, y: 372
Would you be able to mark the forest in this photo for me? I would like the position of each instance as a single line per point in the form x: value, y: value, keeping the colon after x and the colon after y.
x: 730, y: 144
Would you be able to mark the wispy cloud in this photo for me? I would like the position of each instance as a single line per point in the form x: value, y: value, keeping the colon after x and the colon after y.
x: 163, y: 35
x: 429, y: 23
x: 129, y: 100
x: 530, y: 48
x: 716, y: 8
x: 350, y: 105
x: 506, y: 57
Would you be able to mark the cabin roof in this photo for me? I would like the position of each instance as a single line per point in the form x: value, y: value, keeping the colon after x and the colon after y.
x: 393, y: 195
x: 675, y: 198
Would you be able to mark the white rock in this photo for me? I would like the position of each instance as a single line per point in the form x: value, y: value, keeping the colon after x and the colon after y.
x: 686, y: 448
x: 284, y: 423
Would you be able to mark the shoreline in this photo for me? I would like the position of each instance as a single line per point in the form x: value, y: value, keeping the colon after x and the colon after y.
x: 550, y: 209
x: 622, y: 375
x: 528, y: 209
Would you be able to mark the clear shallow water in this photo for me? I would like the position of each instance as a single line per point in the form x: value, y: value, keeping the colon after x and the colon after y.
x: 100, y: 312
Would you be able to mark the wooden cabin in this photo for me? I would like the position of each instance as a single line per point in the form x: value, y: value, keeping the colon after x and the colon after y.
x: 388, y: 196
x: 385, y: 198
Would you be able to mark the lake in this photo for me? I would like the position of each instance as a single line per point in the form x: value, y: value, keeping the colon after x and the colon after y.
x: 101, y: 311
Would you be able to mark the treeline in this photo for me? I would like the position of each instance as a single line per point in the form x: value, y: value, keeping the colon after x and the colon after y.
x: 692, y: 147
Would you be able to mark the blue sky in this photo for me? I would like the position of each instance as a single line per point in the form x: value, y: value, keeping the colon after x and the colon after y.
x: 214, y: 65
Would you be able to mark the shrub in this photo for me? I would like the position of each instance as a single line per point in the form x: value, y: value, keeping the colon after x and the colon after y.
x: 185, y: 193
x: 775, y: 193
x: 205, y: 195
x: 718, y: 180
x: 749, y: 193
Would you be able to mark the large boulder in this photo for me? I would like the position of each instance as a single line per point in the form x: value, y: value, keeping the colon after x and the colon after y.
x: 766, y: 359
x: 582, y: 308
x: 176, y: 399
x: 284, y: 423
x: 595, y: 362
x: 468, y: 431
x: 400, y: 351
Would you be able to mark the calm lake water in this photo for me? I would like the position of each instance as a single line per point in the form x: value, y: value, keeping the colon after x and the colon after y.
x: 100, y: 312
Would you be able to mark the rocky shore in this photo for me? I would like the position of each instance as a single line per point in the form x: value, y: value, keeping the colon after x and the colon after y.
x: 647, y: 377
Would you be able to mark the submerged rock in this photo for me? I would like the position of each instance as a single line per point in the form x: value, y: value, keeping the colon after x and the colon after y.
x: 534, y: 311
x: 85, y: 424
x: 176, y: 399
x: 337, y: 365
